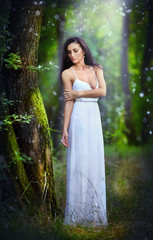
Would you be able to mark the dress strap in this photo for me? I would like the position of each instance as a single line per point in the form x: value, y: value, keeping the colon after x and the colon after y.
x: 94, y: 74
x: 74, y: 72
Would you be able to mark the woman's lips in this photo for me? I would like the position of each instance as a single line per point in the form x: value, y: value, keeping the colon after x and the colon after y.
x: 73, y: 59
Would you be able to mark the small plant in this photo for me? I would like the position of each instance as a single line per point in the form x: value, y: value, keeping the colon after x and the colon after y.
x: 20, y: 157
x: 41, y: 68
x: 107, y: 136
x: 9, y: 119
x: 6, y: 119
x: 6, y: 102
x: 13, y: 60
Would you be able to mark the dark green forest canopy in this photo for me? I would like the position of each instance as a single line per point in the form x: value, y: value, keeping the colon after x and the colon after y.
x: 100, y: 23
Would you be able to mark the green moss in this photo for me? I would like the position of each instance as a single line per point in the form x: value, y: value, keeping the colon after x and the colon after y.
x: 38, y: 107
x: 17, y: 170
x: 44, y: 170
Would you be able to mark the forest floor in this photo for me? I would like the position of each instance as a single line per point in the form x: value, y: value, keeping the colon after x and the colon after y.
x: 129, y: 180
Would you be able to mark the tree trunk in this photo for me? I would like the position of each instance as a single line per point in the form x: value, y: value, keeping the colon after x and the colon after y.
x: 125, y: 73
x: 34, y: 182
x: 145, y: 86
x: 60, y: 37
x: 60, y: 110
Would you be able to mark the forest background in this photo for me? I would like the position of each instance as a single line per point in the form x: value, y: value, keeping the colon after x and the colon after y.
x: 33, y: 165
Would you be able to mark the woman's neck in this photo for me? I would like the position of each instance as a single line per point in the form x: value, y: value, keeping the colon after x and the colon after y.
x: 81, y: 66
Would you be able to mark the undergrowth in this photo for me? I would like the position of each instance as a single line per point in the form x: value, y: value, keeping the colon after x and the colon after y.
x: 129, y: 184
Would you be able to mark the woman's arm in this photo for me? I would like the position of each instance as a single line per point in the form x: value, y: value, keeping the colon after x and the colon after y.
x: 67, y: 108
x: 93, y: 93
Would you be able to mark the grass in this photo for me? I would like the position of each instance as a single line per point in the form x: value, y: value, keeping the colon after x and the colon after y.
x: 129, y: 184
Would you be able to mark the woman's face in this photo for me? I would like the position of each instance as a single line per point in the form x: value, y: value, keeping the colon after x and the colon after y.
x: 75, y: 52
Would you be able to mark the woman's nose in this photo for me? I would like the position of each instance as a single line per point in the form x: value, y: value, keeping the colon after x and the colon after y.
x: 72, y: 54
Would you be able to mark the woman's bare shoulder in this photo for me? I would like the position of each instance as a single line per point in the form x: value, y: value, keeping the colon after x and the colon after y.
x: 98, y: 69
x: 67, y: 73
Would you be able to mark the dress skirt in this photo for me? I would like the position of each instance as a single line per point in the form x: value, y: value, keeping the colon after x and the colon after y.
x: 86, y: 190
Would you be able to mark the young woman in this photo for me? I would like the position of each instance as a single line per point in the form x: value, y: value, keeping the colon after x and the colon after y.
x: 84, y: 83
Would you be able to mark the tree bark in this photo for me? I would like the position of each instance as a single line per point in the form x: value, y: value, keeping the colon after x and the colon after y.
x: 60, y: 37
x: 125, y: 73
x: 145, y: 86
x: 60, y: 110
x: 34, y: 182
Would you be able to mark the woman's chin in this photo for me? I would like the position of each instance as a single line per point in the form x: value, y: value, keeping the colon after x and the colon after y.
x: 74, y: 61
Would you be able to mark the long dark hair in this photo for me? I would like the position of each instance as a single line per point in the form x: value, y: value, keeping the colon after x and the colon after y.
x: 67, y: 63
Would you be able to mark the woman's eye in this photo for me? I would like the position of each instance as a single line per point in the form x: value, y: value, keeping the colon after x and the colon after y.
x: 70, y: 52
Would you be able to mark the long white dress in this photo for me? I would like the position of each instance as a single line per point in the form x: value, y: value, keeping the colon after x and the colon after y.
x: 86, y: 189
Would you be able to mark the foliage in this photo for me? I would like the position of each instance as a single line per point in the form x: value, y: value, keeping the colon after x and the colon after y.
x: 13, y: 60
x: 120, y: 133
x: 18, y: 156
x: 7, y: 120
x: 5, y: 102
x: 117, y: 134
x: 41, y: 68
x: 5, y: 36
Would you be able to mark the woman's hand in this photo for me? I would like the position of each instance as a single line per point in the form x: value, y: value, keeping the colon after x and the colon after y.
x: 70, y: 95
x: 65, y: 139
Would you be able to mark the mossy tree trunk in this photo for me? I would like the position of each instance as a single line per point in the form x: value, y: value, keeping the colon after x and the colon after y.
x: 34, y: 183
